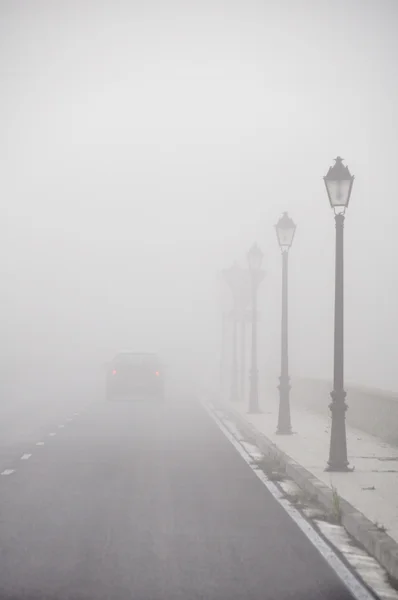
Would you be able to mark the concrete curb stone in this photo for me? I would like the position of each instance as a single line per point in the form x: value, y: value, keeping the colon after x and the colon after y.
x: 378, y: 543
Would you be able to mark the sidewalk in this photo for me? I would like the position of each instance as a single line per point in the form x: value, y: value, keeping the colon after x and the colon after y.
x: 371, y: 489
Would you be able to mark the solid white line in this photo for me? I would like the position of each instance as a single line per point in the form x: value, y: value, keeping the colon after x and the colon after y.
x: 357, y: 589
x: 25, y: 456
x: 8, y: 472
x: 39, y: 443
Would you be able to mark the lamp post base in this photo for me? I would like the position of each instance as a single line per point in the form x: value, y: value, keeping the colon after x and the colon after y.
x: 234, y: 392
x: 339, y: 469
x: 283, y: 432
x: 284, y: 426
x: 254, y: 408
x: 338, y: 459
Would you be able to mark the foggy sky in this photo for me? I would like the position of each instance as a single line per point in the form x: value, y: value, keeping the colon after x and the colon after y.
x: 146, y: 145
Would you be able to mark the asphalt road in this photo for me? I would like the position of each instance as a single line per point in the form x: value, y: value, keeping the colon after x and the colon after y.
x: 147, y: 502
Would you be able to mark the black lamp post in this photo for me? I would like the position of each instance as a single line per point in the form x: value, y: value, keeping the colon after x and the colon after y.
x: 338, y: 182
x: 254, y: 259
x: 223, y: 332
x: 242, y: 357
x: 285, y: 230
x: 244, y: 301
x: 233, y: 278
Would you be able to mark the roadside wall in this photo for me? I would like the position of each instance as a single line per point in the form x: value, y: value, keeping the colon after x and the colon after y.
x: 373, y: 411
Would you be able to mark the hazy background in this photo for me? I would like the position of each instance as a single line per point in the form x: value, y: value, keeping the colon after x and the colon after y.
x: 145, y: 145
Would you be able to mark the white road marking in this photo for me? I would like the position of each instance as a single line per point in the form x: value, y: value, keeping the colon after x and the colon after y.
x: 61, y: 426
x: 357, y: 589
x: 52, y: 434
x: 8, y: 472
x: 76, y: 414
x: 39, y: 443
x: 25, y: 456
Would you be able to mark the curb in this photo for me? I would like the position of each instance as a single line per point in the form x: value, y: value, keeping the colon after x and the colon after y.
x: 378, y: 543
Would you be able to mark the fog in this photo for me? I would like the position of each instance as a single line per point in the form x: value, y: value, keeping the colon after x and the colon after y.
x: 144, y: 146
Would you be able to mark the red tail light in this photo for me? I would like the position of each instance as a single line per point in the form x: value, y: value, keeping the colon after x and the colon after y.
x: 114, y: 372
x: 157, y: 373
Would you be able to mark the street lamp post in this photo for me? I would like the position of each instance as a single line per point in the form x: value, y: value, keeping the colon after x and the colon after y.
x: 235, y: 367
x: 222, y: 353
x: 243, y: 301
x: 254, y: 258
x: 232, y: 276
x: 223, y: 299
x: 338, y: 182
x: 285, y: 230
x: 242, y: 356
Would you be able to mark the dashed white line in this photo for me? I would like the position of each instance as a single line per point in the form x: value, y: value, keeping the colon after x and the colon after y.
x: 76, y: 414
x: 8, y: 472
x: 39, y: 443
x: 52, y: 434
x: 25, y: 456
x: 61, y: 426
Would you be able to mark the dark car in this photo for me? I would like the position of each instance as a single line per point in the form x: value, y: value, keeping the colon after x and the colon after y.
x: 134, y: 375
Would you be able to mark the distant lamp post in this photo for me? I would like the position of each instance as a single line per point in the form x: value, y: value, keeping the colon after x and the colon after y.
x: 338, y: 182
x: 245, y: 298
x: 254, y: 259
x: 233, y: 278
x: 285, y: 230
x: 223, y: 303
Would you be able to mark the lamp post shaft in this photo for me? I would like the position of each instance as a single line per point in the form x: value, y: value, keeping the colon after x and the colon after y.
x: 284, y: 422
x: 338, y: 460
x: 222, y: 354
x: 234, y: 374
x: 242, y: 358
x: 253, y: 399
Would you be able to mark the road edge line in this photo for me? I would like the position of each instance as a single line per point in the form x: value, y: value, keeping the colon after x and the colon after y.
x: 354, y: 584
x: 377, y: 543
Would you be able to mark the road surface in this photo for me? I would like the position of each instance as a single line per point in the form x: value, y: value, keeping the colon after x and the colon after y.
x: 146, y: 502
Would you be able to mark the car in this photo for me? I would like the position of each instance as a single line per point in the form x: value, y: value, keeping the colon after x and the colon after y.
x: 134, y: 375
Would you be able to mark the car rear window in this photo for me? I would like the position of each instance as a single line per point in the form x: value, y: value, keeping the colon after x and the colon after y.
x: 136, y: 360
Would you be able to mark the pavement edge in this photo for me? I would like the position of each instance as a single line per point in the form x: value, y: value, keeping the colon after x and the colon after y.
x: 378, y: 543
